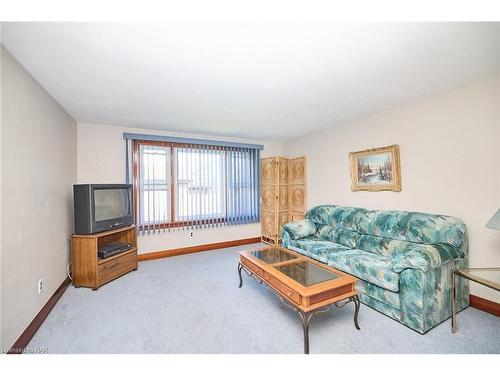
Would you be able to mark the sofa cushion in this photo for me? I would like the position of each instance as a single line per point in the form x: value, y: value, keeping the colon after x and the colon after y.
x: 373, y: 244
x: 337, y: 216
x: 383, y: 246
x: 374, y: 268
x: 342, y: 236
x: 316, y: 246
x: 300, y: 229
x: 414, y: 227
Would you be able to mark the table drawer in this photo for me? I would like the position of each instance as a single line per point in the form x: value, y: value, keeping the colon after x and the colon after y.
x: 278, y: 285
x: 109, y: 270
x: 252, y: 267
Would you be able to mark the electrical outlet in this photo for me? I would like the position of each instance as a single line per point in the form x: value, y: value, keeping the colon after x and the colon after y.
x: 40, y: 286
x: 191, y: 234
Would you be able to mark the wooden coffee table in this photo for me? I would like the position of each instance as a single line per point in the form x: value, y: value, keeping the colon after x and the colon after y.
x: 307, y: 286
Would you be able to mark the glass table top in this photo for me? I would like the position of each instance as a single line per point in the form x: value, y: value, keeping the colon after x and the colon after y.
x: 272, y: 255
x: 306, y: 273
x: 486, y: 276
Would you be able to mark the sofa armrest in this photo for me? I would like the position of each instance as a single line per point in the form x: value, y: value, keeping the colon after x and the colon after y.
x: 424, y: 257
x: 300, y: 229
x: 286, y: 240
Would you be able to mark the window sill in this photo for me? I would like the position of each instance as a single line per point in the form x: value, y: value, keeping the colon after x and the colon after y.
x: 199, y: 223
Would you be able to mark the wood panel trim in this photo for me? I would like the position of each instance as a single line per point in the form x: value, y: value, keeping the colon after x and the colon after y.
x: 485, y: 305
x: 196, y: 249
x: 35, y: 324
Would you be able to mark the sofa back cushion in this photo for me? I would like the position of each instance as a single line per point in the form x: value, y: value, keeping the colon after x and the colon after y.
x: 342, y: 236
x: 374, y: 244
x: 337, y: 216
x: 414, y: 227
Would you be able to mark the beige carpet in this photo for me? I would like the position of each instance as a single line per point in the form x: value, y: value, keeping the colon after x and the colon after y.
x: 192, y: 304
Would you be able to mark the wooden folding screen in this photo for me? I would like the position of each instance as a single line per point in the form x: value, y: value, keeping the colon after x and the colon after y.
x: 283, y: 194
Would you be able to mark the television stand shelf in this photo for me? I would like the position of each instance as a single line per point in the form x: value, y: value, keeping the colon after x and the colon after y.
x: 90, y: 271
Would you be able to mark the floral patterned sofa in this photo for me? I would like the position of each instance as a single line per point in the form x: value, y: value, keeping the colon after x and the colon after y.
x: 403, y: 260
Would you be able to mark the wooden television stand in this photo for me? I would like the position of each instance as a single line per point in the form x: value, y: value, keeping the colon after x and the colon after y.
x: 90, y: 271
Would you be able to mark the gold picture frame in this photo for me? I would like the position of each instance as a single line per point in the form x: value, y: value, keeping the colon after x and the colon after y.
x: 376, y: 169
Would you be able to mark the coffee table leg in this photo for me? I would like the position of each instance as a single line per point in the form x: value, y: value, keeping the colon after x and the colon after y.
x: 306, y: 318
x: 240, y: 266
x: 356, y: 311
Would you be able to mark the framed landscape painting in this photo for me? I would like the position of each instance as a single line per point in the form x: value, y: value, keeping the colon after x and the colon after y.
x: 376, y: 169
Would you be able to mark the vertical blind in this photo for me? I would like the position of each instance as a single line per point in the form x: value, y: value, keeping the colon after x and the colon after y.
x: 193, y: 185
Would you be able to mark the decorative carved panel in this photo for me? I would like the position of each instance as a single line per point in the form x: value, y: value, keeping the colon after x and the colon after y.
x: 283, y: 197
x: 283, y: 168
x: 298, y: 197
x: 297, y: 170
x: 283, y: 219
x: 269, y: 175
x: 268, y: 224
x: 268, y: 194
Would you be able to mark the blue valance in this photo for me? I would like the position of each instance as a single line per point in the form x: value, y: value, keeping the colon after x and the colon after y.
x: 192, y: 141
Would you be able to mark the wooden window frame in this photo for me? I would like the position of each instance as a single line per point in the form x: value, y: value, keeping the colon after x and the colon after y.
x: 136, y: 185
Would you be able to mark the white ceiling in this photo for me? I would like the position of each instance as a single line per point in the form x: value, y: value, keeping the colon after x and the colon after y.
x: 264, y: 81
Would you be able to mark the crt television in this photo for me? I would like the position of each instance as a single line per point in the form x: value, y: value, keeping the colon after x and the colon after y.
x: 101, y: 207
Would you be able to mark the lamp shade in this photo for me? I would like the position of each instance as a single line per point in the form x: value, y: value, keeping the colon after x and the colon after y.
x: 494, y: 222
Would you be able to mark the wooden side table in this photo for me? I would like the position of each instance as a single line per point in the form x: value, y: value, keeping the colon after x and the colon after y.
x: 489, y: 277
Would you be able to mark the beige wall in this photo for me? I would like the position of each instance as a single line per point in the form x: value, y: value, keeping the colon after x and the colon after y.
x: 1, y: 59
x: 38, y: 168
x: 450, y: 162
x: 101, y: 159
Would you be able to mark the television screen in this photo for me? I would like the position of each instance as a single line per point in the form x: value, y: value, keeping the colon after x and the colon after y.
x: 110, y: 204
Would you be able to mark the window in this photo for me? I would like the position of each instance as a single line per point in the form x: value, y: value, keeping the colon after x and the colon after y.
x: 155, y: 184
x: 192, y: 185
x: 200, y: 180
